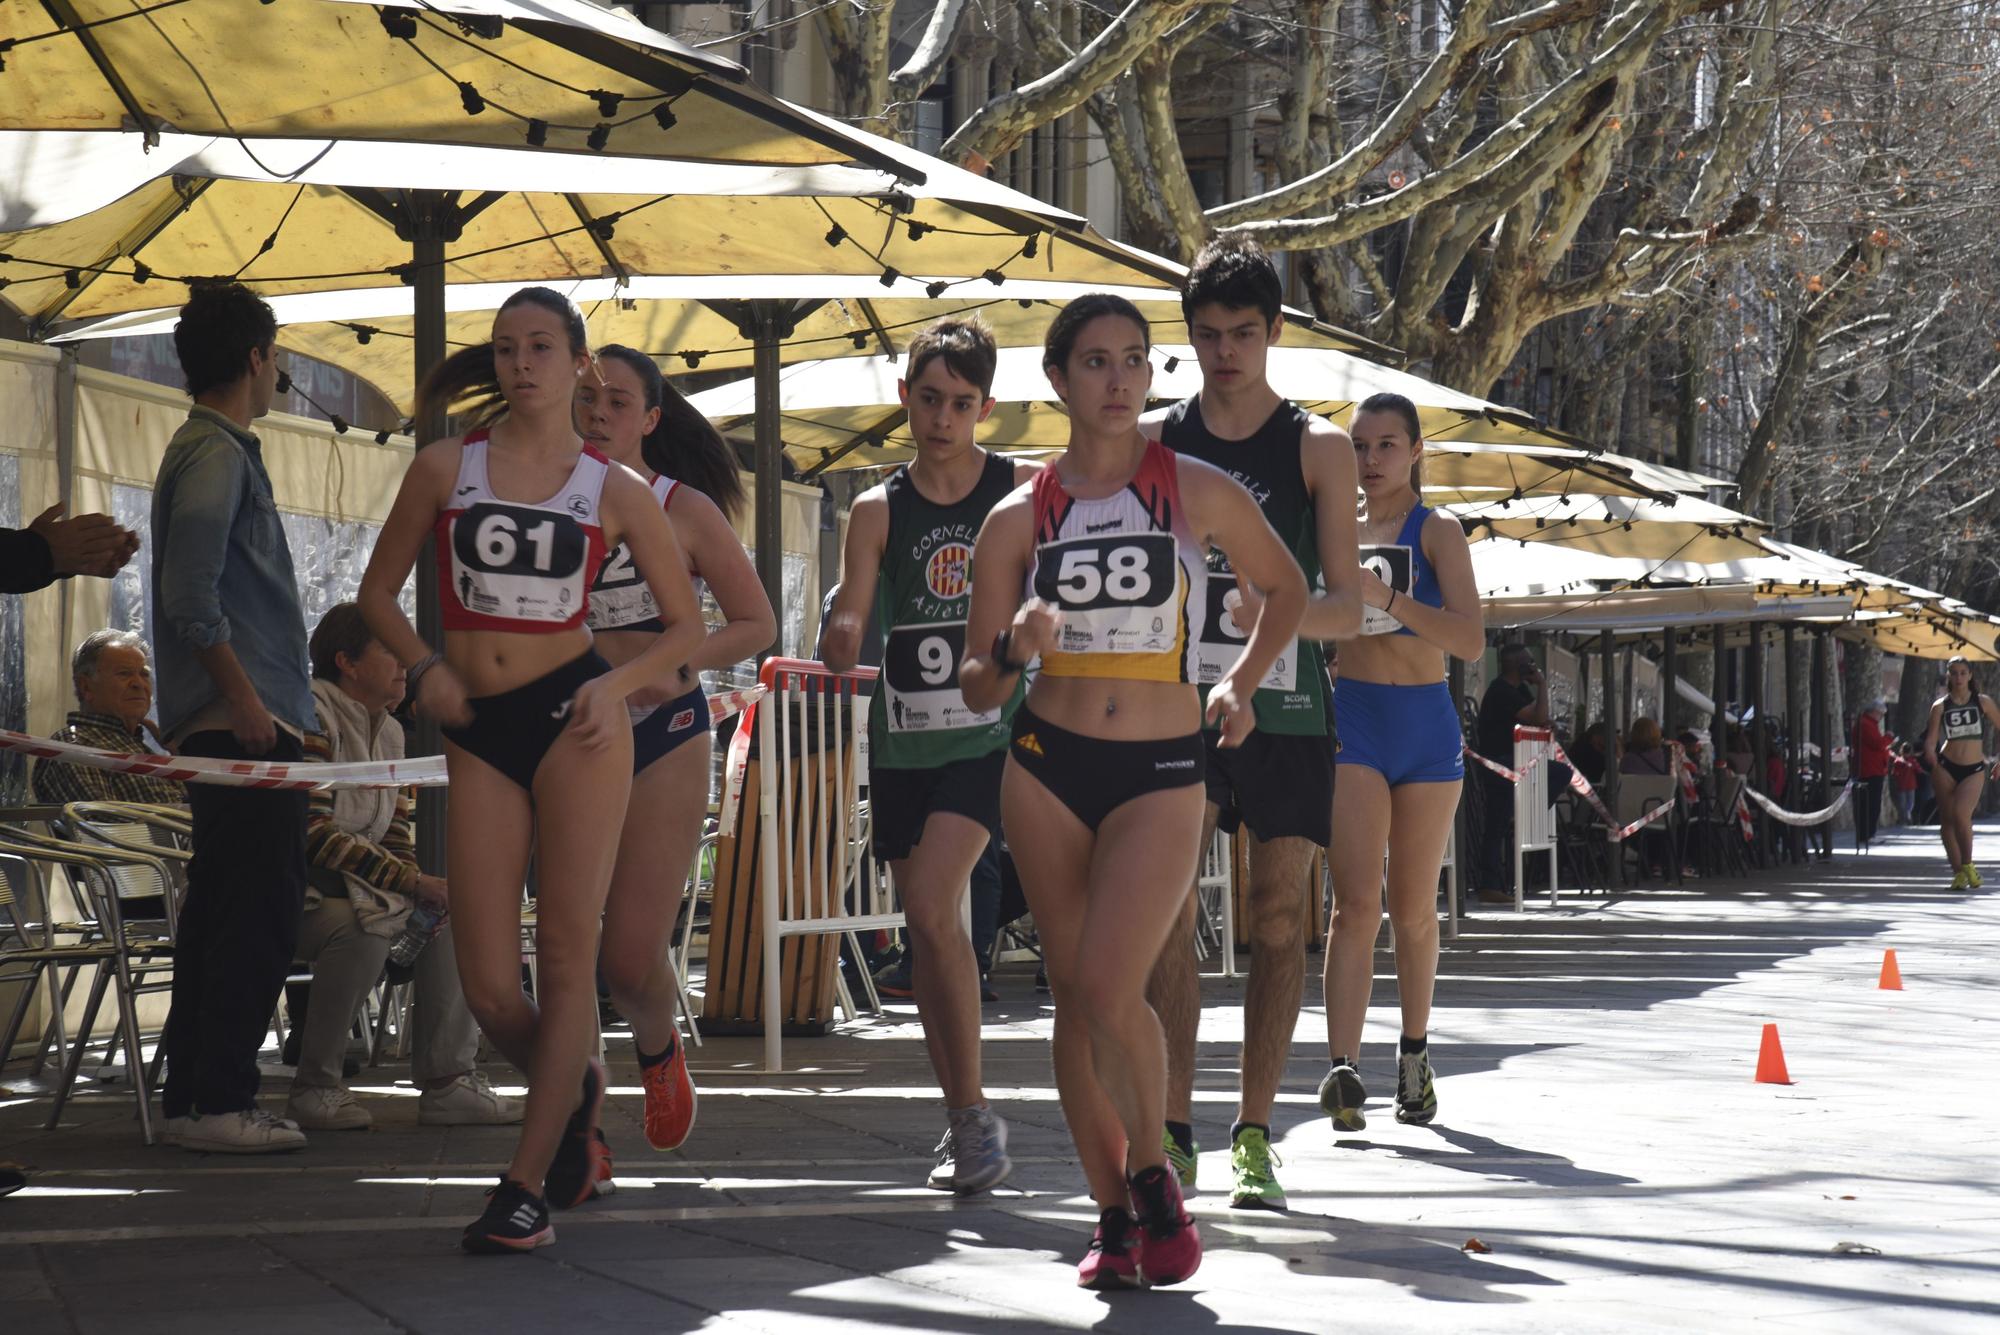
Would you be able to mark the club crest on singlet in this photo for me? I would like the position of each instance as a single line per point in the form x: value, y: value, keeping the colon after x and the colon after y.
x: 948, y: 573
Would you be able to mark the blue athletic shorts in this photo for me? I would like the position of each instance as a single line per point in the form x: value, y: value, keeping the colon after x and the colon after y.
x: 1407, y: 734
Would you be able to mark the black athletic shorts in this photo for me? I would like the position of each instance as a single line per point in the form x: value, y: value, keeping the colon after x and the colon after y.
x: 660, y: 730
x: 1280, y: 785
x: 901, y: 800
x: 512, y: 731
x: 1092, y: 776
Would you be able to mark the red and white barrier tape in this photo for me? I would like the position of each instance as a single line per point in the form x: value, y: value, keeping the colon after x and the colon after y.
x: 285, y: 776
x: 1511, y: 776
x: 1786, y: 817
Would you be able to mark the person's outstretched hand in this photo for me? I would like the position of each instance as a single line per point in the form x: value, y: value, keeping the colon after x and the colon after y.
x: 86, y: 545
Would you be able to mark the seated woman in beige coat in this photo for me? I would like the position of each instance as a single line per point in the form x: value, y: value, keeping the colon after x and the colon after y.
x: 362, y: 884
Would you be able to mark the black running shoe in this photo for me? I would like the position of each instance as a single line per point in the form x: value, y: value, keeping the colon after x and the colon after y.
x: 574, y: 1172
x: 516, y: 1220
x: 1341, y: 1096
x: 1416, y: 1088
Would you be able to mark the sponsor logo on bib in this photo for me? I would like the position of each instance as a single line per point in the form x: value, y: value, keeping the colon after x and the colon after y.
x: 948, y: 572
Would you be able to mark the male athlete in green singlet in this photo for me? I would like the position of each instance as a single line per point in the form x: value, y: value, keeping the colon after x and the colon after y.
x: 1279, y: 782
x: 934, y: 765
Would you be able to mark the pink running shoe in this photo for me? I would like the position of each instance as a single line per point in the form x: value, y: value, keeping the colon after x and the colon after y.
x: 1112, y: 1263
x: 1169, y: 1246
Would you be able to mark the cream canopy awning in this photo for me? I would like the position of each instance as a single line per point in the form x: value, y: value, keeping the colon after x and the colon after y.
x: 458, y: 71
x: 1683, y: 528
x: 305, y: 216
x: 844, y: 412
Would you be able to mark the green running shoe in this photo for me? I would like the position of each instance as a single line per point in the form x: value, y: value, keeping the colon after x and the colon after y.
x: 1180, y: 1158
x: 1416, y: 1090
x: 1341, y: 1097
x: 1972, y: 876
x: 1959, y: 879
x: 1250, y: 1158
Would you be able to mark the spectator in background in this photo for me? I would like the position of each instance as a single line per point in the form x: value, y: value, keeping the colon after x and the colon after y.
x: 114, y: 693
x: 1903, y: 775
x: 363, y: 883
x: 1590, y: 754
x: 1871, y: 770
x: 54, y: 548
x: 1644, y: 751
x: 233, y: 685
x: 1514, y: 697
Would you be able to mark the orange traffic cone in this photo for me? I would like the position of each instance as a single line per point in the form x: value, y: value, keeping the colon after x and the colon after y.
x: 1771, y: 1059
x: 1892, y: 977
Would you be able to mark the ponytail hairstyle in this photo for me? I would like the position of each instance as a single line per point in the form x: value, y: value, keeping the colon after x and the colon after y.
x: 683, y: 445
x: 468, y: 379
x: 1387, y: 402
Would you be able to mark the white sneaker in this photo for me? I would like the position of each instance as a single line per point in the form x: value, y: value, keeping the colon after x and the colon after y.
x: 252, y: 1131
x: 328, y: 1109
x: 169, y: 1130
x: 468, y: 1101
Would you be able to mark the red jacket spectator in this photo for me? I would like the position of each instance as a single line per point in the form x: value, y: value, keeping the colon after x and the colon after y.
x: 1871, y: 746
x: 1904, y: 774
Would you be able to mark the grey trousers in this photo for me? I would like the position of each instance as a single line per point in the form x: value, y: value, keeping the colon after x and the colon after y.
x: 346, y: 964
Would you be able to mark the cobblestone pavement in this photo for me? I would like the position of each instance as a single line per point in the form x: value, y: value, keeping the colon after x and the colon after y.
x: 1599, y: 1132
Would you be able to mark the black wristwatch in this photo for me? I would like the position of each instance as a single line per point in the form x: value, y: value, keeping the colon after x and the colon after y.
x: 1001, y: 644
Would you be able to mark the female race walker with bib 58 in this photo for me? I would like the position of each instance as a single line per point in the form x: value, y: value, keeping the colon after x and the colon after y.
x: 1400, y: 763
x: 629, y: 413
x: 1099, y: 568
x: 537, y: 742
x: 1955, y: 741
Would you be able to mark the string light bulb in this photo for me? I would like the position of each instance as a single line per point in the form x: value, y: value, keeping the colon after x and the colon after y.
x: 936, y: 289
x: 994, y: 276
x: 399, y: 23
x: 599, y: 136
x: 607, y: 102
x: 693, y: 359
x: 538, y: 133
x: 664, y: 114
x: 469, y: 98
x: 835, y: 235
x: 889, y: 276
x: 140, y: 273
x: 1029, y: 247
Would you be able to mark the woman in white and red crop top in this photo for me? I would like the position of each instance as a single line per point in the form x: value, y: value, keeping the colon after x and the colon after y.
x: 539, y: 747
x: 1097, y: 567
x: 627, y: 411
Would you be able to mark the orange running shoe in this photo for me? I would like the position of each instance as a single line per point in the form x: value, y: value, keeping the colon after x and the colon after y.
x: 670, y: 1100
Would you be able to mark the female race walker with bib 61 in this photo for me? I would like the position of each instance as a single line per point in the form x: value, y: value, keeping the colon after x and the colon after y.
x: 537, y: 742
x: 1955, y: 741
x: 1099, y: 568
x: 1400, y: 763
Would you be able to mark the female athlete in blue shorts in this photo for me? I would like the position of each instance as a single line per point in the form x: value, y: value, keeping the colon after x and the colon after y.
x: 1399, y: 762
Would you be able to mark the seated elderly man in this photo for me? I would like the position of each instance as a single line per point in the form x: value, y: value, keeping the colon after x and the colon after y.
x: 362, y: 885
x: 114, y: 691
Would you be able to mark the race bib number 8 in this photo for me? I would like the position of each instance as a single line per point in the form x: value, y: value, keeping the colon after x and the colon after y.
x: 920, y: 679
x: 1223, y: 638
x: 1117, y: 592
x: 1395, y: 566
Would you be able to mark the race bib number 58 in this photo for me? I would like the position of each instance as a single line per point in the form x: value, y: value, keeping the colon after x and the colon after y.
x: 1116, y: 592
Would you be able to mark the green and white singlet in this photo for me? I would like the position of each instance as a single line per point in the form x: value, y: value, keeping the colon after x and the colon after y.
x: 919, y: 719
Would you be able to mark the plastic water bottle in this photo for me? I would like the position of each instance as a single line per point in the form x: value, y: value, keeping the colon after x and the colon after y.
x: 423, y: 924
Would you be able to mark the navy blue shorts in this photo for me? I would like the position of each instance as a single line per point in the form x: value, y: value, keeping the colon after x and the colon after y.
x: 1407, y: 734
x: 512, y: 731
x: 662, y: 729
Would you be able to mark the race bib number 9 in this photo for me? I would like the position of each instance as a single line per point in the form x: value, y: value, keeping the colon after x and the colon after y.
x: 920, y: 679
x: 1395, y: 566
x: 1116, y: 592
x: 1223, y: 638
x: 518, y: 562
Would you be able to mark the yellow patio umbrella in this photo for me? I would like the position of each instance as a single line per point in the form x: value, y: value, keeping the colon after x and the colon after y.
x: 1682, y: 528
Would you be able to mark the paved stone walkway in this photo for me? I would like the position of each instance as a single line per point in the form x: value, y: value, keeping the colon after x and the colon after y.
x: 1600, y: 1132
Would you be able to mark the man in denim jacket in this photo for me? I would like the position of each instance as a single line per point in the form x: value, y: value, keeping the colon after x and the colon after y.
x: 233, y: 683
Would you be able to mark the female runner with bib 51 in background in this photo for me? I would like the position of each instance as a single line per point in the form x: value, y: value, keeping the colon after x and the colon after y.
x: 934, y: 763
x: 1099, y: 568
x: 1400, y: 756
x: 628, y: 411
x: 537, y: 743
x: 1955, y: 741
